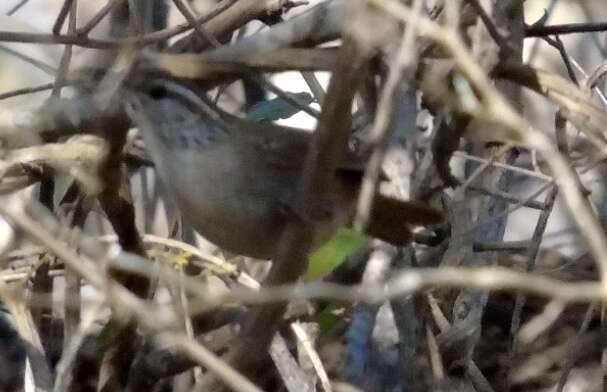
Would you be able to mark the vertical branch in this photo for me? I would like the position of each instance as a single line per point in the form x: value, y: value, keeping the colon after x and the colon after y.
x: 120, y: 336
x: 27, y: 331
x: 532, y: 251
x: 469, y: 307
x: 386, y: 122
x: 116, y: 202
x: 314, y: 192
x: 73, y: 209
x: 531, y: 256
x: 65, y: 9
x: 79, y: 206
x: 508, y: 16
x: 404, y: 62
x: 42, y: 283
x: 66, y: 57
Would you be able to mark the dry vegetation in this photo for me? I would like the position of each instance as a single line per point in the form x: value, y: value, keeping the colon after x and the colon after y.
x: 104, y: 287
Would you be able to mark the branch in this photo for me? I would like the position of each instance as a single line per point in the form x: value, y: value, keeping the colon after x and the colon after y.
x: 570, y: 28
x: 576, y: 104
x: 314, y: 191
x: 496, y: 109
x: 213, y: 64
x: 86, y: 42
x: 235, y: 16
x: 43, y: 230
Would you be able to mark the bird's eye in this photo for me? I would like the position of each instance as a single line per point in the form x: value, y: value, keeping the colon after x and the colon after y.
x: 157, y: 92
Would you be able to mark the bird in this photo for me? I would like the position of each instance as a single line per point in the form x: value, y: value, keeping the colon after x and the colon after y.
x: 234, y: 179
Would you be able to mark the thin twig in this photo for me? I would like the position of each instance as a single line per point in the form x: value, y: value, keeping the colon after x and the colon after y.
x: 539, y: 324
x: 501, y: 165
x: 536, y: 205
x: 304, y: 339
x: 491, y: 27
x: 191, y: 19
x: 315, y: 86
x: 500, y: 246
x: 558, y: 44
x: 66, y: 57
x: 570, y: 361
x: 17, y: 7
x: 73, y: 344
x: 478, y: 378
x: 26, y: 90
x: 569, y: 28
x: 44, y: 67
x: 27, y: 331
x: 80, y: 40
x: 120, y: 297
x: 65, y: 8
x: 496, y: 107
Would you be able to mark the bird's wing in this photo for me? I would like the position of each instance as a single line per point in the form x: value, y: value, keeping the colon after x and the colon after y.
x: 286, y: 146
x: 278, y: 146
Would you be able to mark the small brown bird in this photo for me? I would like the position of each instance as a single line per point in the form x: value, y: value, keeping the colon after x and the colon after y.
x: 232, y: 178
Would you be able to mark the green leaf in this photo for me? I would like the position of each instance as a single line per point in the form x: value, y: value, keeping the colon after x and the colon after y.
x: 324, y: 260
